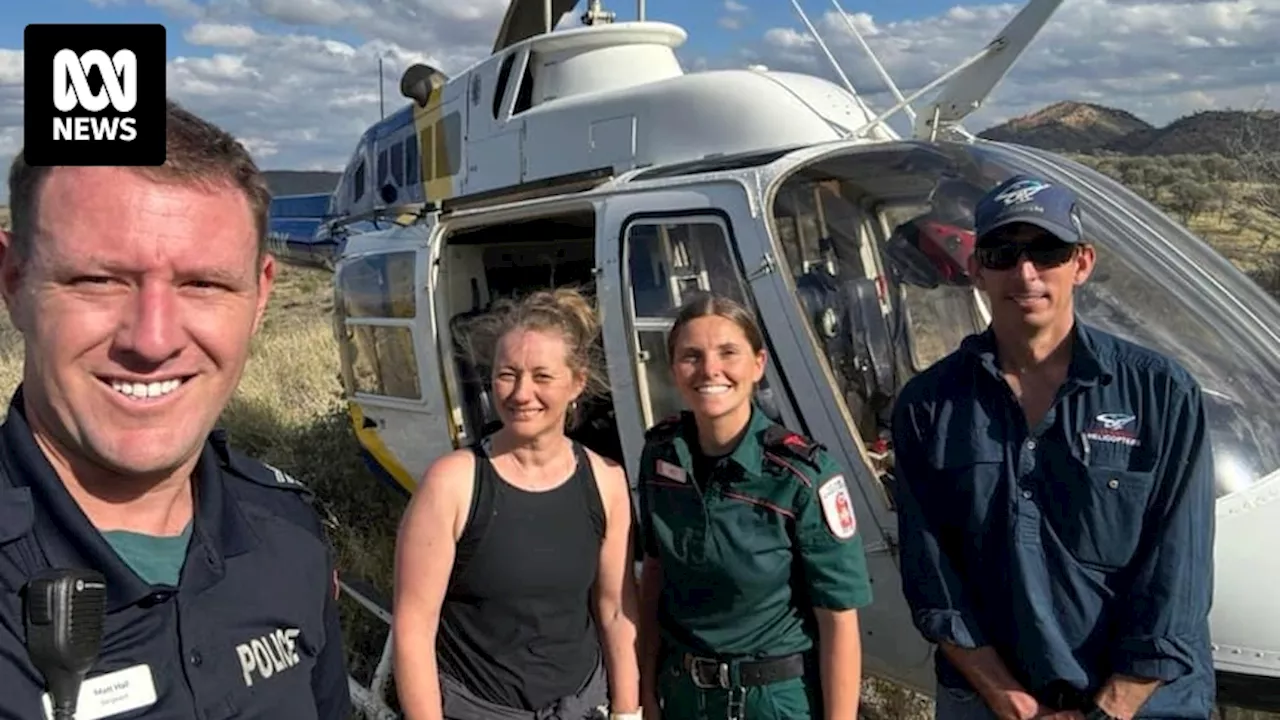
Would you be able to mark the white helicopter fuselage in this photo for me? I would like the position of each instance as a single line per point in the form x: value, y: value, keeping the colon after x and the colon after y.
x: 588, y: 157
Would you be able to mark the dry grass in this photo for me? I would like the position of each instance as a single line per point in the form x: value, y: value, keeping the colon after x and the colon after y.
x: 288, y: 411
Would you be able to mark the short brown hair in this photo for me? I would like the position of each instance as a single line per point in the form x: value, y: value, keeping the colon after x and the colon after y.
x: 198, y: 152
x: 705, y: 304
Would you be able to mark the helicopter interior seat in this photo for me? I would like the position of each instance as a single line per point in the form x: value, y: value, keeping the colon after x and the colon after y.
x: 477, y: 402
x: 873, y: 352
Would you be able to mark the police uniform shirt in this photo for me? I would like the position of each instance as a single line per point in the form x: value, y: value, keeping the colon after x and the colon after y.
x: 1077, y: 549
x: 250, y: 631
x: 750, y: 548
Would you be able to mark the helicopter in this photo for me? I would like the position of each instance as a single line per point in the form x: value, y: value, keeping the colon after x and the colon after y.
x: 588, y: 156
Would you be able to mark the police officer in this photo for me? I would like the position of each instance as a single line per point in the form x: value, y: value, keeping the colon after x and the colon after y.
x: 137, y: 291
x: 753, y: 568
x: 1055, y: 495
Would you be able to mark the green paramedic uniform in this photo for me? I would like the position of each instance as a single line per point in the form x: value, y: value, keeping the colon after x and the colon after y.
x: 749, y: 544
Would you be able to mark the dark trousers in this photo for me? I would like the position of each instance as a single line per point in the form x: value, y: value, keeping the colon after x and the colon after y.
x: 588, y: 704
x: 795, y: 699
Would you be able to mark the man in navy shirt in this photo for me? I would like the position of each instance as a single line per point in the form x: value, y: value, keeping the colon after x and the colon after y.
x: 1055, y: 495
x: 137, y: 291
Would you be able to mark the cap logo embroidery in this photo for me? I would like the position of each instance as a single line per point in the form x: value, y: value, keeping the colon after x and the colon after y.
x: 1021, y: 192
x: 837, y: 508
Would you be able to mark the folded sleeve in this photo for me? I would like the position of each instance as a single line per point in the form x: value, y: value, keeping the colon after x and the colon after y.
x: 932, y: 587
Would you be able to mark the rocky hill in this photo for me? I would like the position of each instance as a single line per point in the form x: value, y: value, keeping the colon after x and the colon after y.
x: 1075, y: 127
x: 1069, y: 127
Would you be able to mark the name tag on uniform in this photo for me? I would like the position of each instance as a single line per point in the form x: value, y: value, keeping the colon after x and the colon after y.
x: 670, y: 471
x: 111, y: 694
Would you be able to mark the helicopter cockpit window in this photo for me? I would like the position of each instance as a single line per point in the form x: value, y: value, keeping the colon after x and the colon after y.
x: 666, y: 263
x: 376, y: 303
x: 1154, y: 282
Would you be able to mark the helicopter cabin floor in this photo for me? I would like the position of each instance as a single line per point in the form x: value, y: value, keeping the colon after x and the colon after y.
x: 511, y: 260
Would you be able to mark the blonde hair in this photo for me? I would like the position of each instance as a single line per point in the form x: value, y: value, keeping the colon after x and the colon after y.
x: 566, y: 311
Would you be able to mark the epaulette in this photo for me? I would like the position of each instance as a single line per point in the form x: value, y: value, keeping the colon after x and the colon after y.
x: 786, y: 443
x: 254, y: 470
x: 666, y: 428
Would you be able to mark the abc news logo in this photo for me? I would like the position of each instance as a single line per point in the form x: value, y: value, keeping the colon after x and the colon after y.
x: 71, y: 91
x: 94, y: 94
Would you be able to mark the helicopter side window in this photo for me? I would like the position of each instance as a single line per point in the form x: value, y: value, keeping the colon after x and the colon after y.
x: 823, y: 236
x: 376, y: 305
x: 936, y: 315
x: 667, y: 261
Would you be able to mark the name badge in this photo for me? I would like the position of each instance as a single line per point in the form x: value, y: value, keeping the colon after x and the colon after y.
x: 111, y: 694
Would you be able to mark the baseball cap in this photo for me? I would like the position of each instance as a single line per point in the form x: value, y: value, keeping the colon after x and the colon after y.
x: 1027, y: 199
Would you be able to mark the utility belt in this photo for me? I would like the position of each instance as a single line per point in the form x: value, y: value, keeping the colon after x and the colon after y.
x: 711, y: 673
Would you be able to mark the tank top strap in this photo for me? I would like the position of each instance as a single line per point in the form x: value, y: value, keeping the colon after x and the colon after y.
x: 479, y: 512
x: 585, y: 477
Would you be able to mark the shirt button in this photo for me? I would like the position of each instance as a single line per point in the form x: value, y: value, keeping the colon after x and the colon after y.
x: 1026, y: 494
x: 196, y: 658
x: 1113, y: 483
x: 1031, y: 444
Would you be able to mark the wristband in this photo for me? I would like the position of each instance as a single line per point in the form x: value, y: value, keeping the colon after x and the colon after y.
x: 637, y: 715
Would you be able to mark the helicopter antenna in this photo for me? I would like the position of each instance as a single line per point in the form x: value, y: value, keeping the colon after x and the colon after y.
x: 875, y: 61
x: 596, y: 14
x: 831, y: 58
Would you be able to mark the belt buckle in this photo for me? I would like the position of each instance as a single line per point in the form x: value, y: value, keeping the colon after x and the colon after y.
x: 696, y: 664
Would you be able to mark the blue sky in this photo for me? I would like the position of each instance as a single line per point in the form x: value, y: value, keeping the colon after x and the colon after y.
x: 292, y: 78
x: 702, y: 18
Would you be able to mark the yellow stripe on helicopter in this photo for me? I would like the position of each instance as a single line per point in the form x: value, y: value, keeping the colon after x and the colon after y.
x: 369, y: 439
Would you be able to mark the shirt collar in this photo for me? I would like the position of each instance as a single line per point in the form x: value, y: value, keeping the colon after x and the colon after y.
x: 34, y: 491
x: 746, y: 454
x: 1088, y: 366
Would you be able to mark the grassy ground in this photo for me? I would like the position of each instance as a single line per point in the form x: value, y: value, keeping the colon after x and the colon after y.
x: 288, y: 410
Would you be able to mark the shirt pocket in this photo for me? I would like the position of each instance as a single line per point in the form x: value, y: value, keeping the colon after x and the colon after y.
x: 968, y: 470
x: 1098, y: 514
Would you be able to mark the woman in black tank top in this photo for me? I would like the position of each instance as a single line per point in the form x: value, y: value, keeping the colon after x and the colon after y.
x: 514, y: 592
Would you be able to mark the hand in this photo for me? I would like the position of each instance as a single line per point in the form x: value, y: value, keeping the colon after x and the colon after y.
x: 1060, y: 715
x: 1019, y: 705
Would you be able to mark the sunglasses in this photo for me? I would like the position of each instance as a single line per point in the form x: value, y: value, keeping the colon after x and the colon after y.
x: 1044, y: 254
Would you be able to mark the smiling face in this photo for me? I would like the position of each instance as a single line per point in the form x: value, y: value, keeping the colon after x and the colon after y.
x: 715, y: 367
x: 1030, y: 276
x: 137, y: 304
x: 533, y: 382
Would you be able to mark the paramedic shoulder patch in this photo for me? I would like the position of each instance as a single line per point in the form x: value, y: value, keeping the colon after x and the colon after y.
x: 837, y: 508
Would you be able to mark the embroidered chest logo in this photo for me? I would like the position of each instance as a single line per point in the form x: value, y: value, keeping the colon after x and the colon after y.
x: 837, y: 508
x: 1113, y: 428
x: 272, y: 653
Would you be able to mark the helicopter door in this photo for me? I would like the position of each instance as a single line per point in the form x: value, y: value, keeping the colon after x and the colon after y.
x: 665, y: 257
x: 383, y: 327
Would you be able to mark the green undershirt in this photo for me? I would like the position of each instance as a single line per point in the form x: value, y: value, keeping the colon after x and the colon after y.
x: 157, y: 560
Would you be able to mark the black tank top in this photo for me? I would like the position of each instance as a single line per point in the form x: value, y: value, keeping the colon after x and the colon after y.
x: 516, y: 625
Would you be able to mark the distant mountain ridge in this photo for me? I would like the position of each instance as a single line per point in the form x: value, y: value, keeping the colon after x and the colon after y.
x: 1078, y: 127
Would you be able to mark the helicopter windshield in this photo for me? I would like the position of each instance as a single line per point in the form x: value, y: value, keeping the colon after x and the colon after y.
x: 877, y: 239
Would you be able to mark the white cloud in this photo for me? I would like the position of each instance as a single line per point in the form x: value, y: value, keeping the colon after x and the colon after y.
x: 300, y: 101
x: 1157, y: 59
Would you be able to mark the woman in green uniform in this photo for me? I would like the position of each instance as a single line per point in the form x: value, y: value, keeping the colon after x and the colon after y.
x: 753, y: 568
